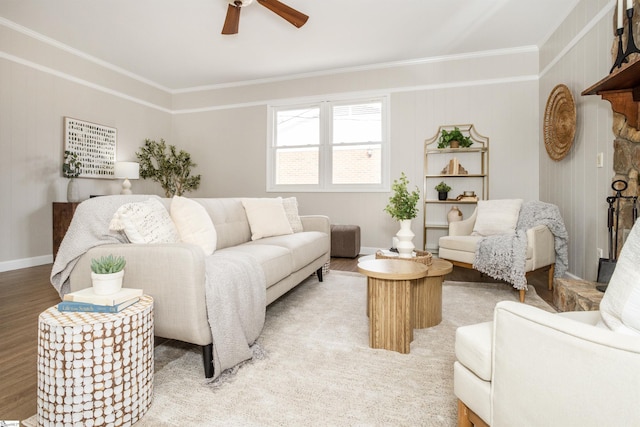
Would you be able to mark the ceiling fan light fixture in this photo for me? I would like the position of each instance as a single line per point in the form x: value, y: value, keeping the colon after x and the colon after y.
x: 232, y: 20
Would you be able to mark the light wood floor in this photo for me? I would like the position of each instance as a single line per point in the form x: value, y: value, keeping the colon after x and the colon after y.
x: 25, y: 293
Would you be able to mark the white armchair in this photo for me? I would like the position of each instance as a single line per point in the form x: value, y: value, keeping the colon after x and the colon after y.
x: 530, y: 367
x: 459, y: 247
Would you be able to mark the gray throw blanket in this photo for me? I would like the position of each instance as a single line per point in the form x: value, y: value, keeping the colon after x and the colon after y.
x: 503, y: 256
x: 236, y: 297
x: 89, y: 228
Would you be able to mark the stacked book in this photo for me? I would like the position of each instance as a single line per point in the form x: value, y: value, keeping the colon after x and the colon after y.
x: 85, y: 300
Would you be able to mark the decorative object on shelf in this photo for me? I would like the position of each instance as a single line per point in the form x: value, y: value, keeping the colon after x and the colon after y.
x: 107, y: 273
x: 623, y: 56
x: 454, y: 168
x: 95, y: 146
x: 173, y: 170
x: 443, y: 190
x: 71, y: 168
x: 454, y: 139
x: 454, y: 215
x: 127, y: 171
x: 559, y: 122
x: 467, y: 196
x: 402, y: 207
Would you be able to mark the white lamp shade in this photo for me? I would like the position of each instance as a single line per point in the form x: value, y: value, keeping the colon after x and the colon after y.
x: 126, y: 170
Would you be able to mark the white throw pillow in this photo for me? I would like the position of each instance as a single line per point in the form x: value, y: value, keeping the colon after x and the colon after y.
x: 194, y: 223
x: 266, y: 217
x: 145, y: 222
x: 291, y: 210
x: 620, y: 305
x: 497, y: 217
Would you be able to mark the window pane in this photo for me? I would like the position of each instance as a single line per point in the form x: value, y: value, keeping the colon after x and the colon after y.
x: 298, y: 127
x: 357, y: 164
x: 357, y: 123
x: 297, y: 166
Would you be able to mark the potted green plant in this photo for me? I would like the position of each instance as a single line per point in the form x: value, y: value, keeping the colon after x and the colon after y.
x: 172, y: 168
x: 107, y: 273
x: 443, y: 190
x: 454, y: 139
x: 402, y: 207
x: 71, y: 168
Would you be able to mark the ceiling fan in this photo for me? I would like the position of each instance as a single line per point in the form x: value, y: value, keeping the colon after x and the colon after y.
x: 232, y: 20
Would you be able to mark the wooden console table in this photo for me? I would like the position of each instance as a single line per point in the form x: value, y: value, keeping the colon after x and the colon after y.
x: 62, y: 215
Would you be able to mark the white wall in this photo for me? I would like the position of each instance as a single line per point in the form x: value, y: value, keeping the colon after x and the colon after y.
x: 579, y: 55
x: 224, y: 128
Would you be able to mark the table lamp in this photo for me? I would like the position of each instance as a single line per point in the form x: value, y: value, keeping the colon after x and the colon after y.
x: 126, y: 171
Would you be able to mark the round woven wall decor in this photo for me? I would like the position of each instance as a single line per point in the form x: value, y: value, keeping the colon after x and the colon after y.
x: 559, y: 122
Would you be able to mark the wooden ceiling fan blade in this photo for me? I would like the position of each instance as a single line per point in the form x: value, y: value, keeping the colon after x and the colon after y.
x: 290, y: 14
x: 232, y: 21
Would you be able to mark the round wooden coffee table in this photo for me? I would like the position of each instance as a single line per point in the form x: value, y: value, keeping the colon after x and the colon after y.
x: 426, y: 298
x: 389, y: 301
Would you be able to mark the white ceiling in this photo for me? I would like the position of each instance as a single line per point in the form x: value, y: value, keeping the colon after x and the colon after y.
x: 177, y: 43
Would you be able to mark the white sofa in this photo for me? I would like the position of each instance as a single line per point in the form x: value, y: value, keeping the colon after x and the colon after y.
x: 530, y: 367
x: 459, y: 247
x: 174, y: 273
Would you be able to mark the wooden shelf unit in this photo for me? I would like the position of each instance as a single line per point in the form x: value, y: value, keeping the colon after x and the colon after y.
x: 477, y: 160
x: 622, y: 89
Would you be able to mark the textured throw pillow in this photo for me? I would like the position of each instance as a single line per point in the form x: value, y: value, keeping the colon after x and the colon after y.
x: 266, y: 217
x: 620, y: 305
x: 194, y: 223
x: 497, y: 217
x: 145, y: 222
x: 291, y: 210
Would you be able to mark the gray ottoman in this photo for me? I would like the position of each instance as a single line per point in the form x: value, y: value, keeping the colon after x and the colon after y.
x: 345, y: 241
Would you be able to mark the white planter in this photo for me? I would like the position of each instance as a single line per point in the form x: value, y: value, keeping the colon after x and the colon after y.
x: 107, y: 284
x: 405, y: 237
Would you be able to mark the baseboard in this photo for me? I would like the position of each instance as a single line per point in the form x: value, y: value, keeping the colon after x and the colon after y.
x: 17, y: 264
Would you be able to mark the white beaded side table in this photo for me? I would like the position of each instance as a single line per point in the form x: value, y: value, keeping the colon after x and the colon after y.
x: 95, y: 368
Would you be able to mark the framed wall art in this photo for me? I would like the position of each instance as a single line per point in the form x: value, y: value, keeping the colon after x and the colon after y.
x: 95, y: 146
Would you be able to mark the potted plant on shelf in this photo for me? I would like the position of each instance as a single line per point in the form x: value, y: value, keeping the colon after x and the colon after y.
x: 402, y: 207
x: 107, y: 273
x: 71, y: 169
x: 443, y: 190
x: 454, y: 139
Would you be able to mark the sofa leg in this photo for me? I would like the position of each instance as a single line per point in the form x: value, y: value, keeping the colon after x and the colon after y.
x: 207, y: 358
x: 319, y: 274
x: 522, y: 294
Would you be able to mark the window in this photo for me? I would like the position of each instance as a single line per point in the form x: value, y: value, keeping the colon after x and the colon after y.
x: 329, y: 146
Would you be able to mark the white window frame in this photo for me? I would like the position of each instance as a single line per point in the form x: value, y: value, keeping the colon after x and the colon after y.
x: 325, y: 151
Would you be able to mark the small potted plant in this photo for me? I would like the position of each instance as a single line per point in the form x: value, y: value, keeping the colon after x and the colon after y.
x: 71, y: 168
x: 454, y: 139
x: 107, y: 273
x: 443, y: 190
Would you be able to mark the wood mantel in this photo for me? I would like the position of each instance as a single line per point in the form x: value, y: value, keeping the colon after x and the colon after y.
x: 622, y: 90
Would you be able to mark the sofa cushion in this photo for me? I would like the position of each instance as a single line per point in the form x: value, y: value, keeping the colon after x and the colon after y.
x: 473, y: 348
x: 266, y: 217
x: 291, y: 210
x: 620, y: 305
x: 145, y: 222
x: 304, y: 247
x: 193, y: 223
x: 497, y: 216
x: 460, y: 243
x: 276, y: 261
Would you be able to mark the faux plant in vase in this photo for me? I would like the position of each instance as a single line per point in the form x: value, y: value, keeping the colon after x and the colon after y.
x: 454, y: 139
x: 443, y: 190
x: 171, y: 168
x: 107, y: 273
x: 402, y: 207
x: 71, y: 168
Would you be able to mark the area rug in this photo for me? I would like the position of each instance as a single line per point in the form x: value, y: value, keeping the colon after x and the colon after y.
x: 317, y: 367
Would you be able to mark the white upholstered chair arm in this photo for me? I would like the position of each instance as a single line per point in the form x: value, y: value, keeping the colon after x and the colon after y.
x: 464, y: 227
x: 541, y: 241
x: 578, y: 373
